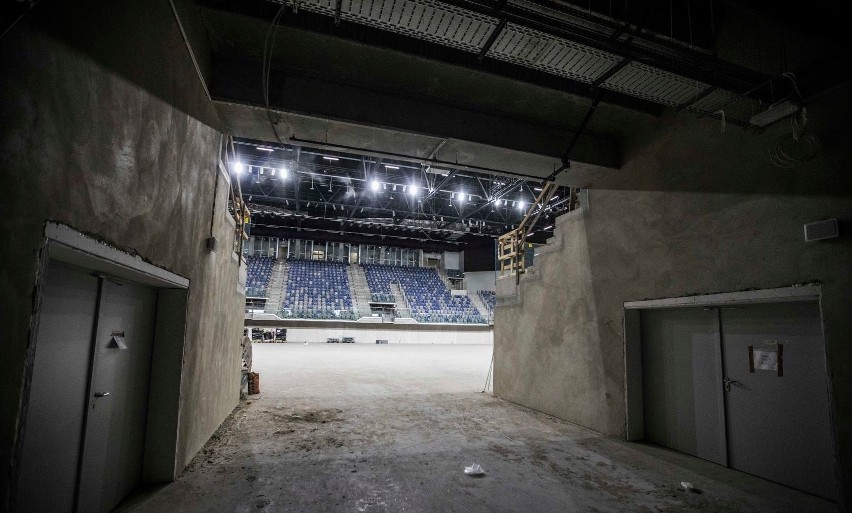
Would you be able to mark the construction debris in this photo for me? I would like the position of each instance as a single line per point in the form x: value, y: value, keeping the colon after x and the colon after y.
x: 474, y: 470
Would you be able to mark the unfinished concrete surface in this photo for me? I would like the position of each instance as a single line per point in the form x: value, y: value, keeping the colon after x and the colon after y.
x: 662, y: 228
x: 391, y: 428
x: 95, y: 149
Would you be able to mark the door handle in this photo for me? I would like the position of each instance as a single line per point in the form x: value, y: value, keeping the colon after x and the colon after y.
x: 728, y: 382
x: 101, y: 394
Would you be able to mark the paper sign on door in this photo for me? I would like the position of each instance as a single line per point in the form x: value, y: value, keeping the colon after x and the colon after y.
x: 766, y: 358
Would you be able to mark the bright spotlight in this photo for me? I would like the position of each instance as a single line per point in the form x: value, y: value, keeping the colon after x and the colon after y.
x: 521, y: 205
x: 283, y: 172
x: 461, y: 197
x: 412, y: 189
x: 374, y: 185
x: 238, y: 167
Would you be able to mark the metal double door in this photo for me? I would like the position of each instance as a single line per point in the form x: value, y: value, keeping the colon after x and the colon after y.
x: 744, y: 386
x: 83, y: 439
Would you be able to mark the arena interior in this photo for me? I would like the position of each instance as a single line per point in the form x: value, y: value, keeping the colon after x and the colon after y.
x: 425, y: 256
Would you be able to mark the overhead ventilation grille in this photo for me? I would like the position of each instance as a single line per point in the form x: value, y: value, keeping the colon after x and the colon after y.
x: 440, y: 23
x: 424, y: 19
x: 654, y: 84
x: 822, y: 230
x: 534, y: 49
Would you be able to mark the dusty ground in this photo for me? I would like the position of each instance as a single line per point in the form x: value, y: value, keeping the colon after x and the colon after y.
x: 368, y: 428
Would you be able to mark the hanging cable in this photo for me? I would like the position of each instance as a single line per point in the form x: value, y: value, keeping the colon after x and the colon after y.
x: 32, y: 4
x: 490, y: 373
x: 266, y: 69
x: 789, y: 151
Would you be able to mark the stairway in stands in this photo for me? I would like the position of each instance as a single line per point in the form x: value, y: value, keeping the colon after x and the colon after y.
x: 403, y: 309
x: 444, y: 278
x: 277, y: 286
x: 476, y: 301
x: 359, y: 290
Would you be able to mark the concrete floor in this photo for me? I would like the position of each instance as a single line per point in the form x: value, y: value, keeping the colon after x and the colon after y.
x: 370, y: 428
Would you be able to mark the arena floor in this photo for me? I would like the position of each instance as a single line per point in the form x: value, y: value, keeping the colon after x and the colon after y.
x: 375, y: 428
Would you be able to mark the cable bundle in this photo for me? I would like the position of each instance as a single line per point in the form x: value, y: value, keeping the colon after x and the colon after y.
x: 789, y: 151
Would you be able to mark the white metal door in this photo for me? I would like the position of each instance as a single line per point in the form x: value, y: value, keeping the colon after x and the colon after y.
x: 682, y: 381
x: 777, y: 398
x: 118, y: 399
x: 53, y: 430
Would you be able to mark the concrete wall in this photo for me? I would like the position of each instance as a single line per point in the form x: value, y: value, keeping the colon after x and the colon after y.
x: 481, y: 280
x: 96, y: 133
x: 692, y: 212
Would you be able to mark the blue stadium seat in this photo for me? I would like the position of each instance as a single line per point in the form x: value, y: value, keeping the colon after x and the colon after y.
x: 317, y: 290
x: 429, y: 298
x: 489, y: 298
x: 258, y: 273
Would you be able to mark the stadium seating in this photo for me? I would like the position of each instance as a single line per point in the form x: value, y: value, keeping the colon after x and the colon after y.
x: 427, y: 295
x: 317, y: 290
x: 489, y: 299
x: 258, y: 272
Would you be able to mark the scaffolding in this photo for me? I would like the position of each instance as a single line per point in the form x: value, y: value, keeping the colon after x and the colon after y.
x: 511, y: 245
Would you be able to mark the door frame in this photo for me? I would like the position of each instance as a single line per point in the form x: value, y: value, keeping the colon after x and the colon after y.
x: 634, y: 411
x: 64, y: 244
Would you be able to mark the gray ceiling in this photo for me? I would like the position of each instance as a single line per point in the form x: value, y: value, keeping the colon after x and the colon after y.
x: 446, y: 24
x: 505, y: 84
x: 488, y: 86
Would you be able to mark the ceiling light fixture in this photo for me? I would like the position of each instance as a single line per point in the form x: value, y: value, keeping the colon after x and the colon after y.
x: 333, y: 159
x: 238, y: 167
x: 391, y: 167
x: 261, y: 148
x: 521, y: 205
x: 412, y: 189
x: 374, y: 185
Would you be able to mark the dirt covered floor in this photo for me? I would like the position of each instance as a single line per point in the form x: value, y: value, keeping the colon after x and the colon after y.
x: 375, y: 428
